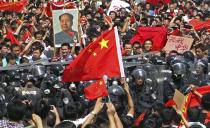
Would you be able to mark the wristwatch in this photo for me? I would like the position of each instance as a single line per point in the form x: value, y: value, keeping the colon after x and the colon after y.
x: 93, y: 113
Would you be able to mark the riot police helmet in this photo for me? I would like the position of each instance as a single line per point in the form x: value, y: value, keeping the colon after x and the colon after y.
x: 57, y: 69
x: 189, y: 56
x: 139, y: 73
x: 201, y: 66
x: 12, y: 75
x: 157, y: 60
x: 38, y: 70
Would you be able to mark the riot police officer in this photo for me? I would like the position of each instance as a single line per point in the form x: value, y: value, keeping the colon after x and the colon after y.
x: 177, y: 80
x: 55, y: 94
x: 199, y: 73
x: 142, y: 92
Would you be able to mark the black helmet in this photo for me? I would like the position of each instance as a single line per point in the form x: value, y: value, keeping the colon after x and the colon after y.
x: 179, y: 68
x: 203, y: 64
x: 139, y: 73
x: 56, y: 69
x: 116, y: 93
x: 170, y: 59
x: 38, y: 70
x: 189, y: 56
x: 157, y: 60
x: 51, y: 79
x: 12, y: 75
x: 116, y: 90
x: 26, y: 77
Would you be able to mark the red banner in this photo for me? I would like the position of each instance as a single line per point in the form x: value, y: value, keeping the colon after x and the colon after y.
x: 13, y: 6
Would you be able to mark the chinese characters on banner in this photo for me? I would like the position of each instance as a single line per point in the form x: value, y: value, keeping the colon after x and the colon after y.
x: 180, y: 44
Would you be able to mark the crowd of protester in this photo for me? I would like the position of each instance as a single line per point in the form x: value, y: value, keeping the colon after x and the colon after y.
x: 36, y: 98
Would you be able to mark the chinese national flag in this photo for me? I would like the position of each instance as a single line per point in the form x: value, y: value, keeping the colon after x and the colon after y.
x: 12, y: 38
x: 101, y: 57
x: 14, y: 6
x: 27, y: 36
x: 96, y: 90
x: 157, y: 34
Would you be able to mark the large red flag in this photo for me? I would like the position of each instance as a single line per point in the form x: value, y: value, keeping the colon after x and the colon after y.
x: 157, y: 34
x: 96, y: 90
x: 200, y: 24
x: 14, y: 6
x: 101, y: 57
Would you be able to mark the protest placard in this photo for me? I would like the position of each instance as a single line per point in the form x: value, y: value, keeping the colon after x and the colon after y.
x: 116, y: 5
x: 179, y: 99
x: 178, y: 43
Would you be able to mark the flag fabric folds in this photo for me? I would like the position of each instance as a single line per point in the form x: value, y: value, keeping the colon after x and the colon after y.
x: 197, y: 24
x: 100, y: 57
x: 58, y: 5
x: 27, y: 37
x: 96, y: 90
x: 157, y: 34
x: 158, y: 2
x: 193, y: 100
x: 14, y: 6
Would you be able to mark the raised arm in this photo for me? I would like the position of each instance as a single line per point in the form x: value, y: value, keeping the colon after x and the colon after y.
x: 192, y: 88
x: 130, y: 100
x: 98, y: 106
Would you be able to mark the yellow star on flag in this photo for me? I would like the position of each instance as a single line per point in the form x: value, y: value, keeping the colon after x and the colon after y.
x: 103, y: 43
x: 100, y: 83
x: 89, y: 50
x: 94, y: 54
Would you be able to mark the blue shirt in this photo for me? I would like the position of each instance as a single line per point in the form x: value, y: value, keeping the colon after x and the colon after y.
x: 4, y: 61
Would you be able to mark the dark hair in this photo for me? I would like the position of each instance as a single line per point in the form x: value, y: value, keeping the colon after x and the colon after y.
x: 1, y: 56
x: 148, y: 40
x: 38, y: 32
x: 166, y: 115
x: 13, y: 46
x: 37, y: 48
x: 10, y: 56
x: 136, y: 42
x: 16, y: 110
x: 70, y: 112
x: 127, y: 121
x: 201, y: 46
x: 22, y: 59
x: 66, y: 44
x: 71, y: 17
x: 7, y: 40
x: 126, y: 44
x: 80, y: 108
x: 158, y: 107
x: 3, y: 45
x: 193, y: 114
x: 176, y: 118
x: 42, y: 109
x: 205, y: 101
x: 91, y: 126
x: 153, y: 121
x: 51, y: 119
x: 66, y: 124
